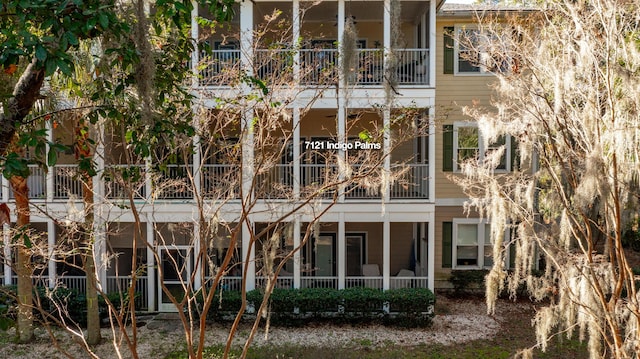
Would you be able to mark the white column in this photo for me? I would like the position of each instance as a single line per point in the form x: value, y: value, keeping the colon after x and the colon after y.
x: 248, y: 254
x: 432, y: 155
x: 342, y: 118
x: 432, y: 44
x: 296, y: 153
x: 424, y: 31
x: 195, y: 55
x: 431, y: 249
x: 296, y: 255
x: 386, y: 252
x: 246, y: 36
x: 151, y: 268
x: 51, y: 244
x: 51, y: 172
x: 386, y: 145
x: 342, y: 248
x: 6, y: 237
x: 294, y: 42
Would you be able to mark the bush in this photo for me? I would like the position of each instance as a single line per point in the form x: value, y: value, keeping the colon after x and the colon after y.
x: 414, y: 306
x: 411, y: 307
x: 465, y: 281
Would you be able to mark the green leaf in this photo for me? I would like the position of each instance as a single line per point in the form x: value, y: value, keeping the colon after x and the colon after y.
x: 41, y: 52
x: 27, y: 240
x: 6, y: 323
x: 52, y: 158
x: 103, y: 19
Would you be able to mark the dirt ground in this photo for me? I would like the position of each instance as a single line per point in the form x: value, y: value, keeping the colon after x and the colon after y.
x: 460, y: 328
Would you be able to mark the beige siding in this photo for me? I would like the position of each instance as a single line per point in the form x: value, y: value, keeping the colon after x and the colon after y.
x: 445, y: 214
x: 452, y: 93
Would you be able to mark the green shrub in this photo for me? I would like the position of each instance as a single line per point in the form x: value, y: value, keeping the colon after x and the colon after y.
x: 318, y: 300
x: 363, y: 300
x: 413, y: 307
x: 465, y: 281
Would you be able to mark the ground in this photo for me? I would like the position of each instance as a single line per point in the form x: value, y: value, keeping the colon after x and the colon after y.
x: 461, y: 329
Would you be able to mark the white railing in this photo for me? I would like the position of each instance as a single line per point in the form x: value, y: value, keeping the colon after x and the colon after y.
x: 319, y: 66
x: 413, y: 183
x: 275, y: 182
x: 37, y: 182
x: 220, y: 181
x: 281, y: 282
x: 219, y: 67
x: 364, y: 282
x: 408, y: 282
x: 412, y: 66
x: 117, y: 284
x: 274, y: 65
x: 119, y: 179
x: 319, y: 282
x: 174, y: 182
x: 67, y: 182
x: 77, y: 283
x: 313, y: 177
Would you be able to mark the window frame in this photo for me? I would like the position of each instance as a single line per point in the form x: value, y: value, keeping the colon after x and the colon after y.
x: 481, y: 147
x: 482, y: 242
x: 482, y: 70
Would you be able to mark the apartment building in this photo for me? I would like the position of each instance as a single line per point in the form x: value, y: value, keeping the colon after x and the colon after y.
x: 409, y: 233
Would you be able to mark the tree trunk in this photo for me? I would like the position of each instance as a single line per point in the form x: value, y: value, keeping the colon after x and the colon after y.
x: 83, y: 150
x: 26, y: 92
x: 23, y: 267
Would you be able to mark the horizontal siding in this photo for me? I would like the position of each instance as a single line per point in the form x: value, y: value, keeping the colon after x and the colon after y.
x: 452, y: 93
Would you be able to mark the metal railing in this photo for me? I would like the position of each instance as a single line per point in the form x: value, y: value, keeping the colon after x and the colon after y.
x: 281, y: 282
x: 319, y: 66
x: 119, y: 179
x: 78, y: 283
x: 364, y: 282
x: 118, y: 284
x: 412, y: 66
x: 174, y: 182
x: 319, y: 282
x: 408, y: 282
x: 275, y: 182
x: 219, y: 67
x: 412, y: 183
x: 220, y: 181
x: 67, y: 182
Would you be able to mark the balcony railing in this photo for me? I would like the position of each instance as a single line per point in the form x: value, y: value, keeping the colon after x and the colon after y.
x: 223, y: 182
x: 319, y: 67
x: 67, y: 182
x: 120, y: 179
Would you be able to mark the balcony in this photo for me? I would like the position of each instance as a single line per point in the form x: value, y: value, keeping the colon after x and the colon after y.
x: 318, y: 67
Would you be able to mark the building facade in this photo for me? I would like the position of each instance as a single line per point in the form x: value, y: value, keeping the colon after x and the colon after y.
x: 409, y: 233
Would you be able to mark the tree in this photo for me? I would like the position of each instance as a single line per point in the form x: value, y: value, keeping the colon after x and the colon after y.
x: 567, y: 94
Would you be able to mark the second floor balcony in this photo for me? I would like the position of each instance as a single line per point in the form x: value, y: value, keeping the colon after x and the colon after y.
x: 354, y: 43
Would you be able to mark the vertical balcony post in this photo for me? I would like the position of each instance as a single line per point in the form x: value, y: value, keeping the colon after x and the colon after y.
x: 342, y: 257
x: 296, y: 175
x: 386, y: 252
x: 342, y: 118
x: 151, y: 268
x: 296, y: 255
x: 432, y: 42
x: 294, y: 41
x: 431, y: 249
x: 195, y: 55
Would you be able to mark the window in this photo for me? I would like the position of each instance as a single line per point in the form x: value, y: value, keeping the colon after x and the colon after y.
x: 472, y: 247
x: 465, y: 52
x: 468, y: 144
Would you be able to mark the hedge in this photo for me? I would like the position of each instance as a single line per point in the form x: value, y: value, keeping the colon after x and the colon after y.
x: 404, y: 307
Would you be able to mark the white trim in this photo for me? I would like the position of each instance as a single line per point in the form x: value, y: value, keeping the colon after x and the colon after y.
x: 480, y: 242
x: 458, y: 28
x: 451, y: 202
x: 481, y: 146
